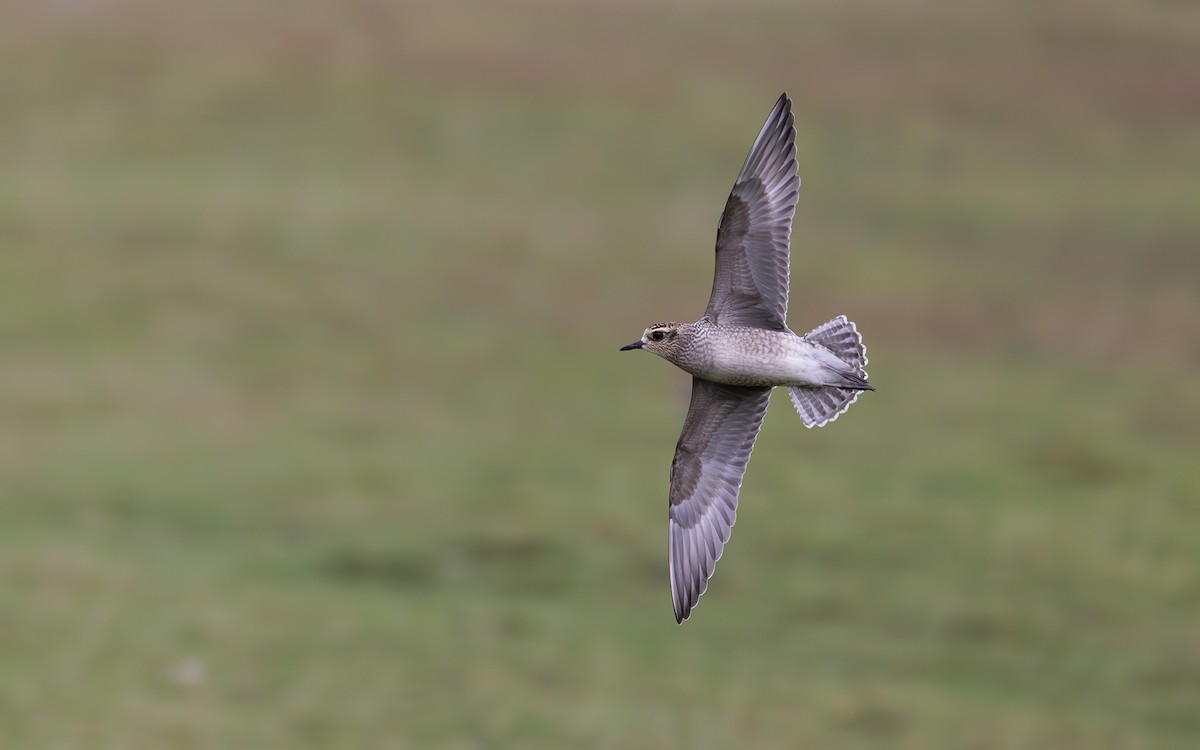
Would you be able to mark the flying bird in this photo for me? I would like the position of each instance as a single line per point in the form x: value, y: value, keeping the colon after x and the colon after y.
x: 738, y: 351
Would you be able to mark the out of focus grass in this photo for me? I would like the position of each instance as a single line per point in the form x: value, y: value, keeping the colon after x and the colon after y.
x: 314, y: 433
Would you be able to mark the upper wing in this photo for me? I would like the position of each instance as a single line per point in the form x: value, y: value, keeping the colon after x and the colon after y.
x: 710, y: 459
x: 750, y: 285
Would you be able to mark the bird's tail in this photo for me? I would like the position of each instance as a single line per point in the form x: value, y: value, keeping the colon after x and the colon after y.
x: 819, y: 405
x: 841, y: 337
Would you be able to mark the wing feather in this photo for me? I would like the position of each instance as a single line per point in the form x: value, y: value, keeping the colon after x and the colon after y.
x: 710, y: 459
x: 750, y: 281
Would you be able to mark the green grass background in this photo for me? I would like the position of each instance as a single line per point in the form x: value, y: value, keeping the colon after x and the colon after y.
x: 314, y: 432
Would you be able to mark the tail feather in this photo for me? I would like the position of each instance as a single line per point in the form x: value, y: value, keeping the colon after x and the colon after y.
x: 841, y: 337
x: 821, y: 405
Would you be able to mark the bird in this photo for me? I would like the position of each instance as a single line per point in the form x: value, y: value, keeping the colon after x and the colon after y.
x: 738, y: 351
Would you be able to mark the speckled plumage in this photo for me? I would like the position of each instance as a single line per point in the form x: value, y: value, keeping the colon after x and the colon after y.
x: 738, y: 351
x: 742, y: 355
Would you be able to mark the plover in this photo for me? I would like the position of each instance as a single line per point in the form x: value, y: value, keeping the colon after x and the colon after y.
x: 738, y: 351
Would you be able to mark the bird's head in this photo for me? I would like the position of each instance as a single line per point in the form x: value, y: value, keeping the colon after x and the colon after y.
x: 663, y: 339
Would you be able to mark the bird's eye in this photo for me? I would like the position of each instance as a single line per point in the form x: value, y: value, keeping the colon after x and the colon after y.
x: 657, y: 335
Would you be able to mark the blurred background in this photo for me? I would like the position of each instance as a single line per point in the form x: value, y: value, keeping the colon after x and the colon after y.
x: 314, y: 432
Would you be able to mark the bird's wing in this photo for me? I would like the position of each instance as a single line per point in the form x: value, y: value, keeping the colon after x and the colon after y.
x: 710, y: 459
x: 750, y: 284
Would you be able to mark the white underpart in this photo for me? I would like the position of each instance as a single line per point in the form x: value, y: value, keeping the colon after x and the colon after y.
x: 773, y: 358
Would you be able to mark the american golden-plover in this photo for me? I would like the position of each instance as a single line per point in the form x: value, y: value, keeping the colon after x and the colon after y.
x: 738, y: 351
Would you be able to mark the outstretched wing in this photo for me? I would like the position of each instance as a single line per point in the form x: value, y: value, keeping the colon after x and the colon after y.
x: 710, y: 459
x: 750, y: 284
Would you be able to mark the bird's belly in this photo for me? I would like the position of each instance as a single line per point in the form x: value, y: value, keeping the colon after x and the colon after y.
x: 761, y: 363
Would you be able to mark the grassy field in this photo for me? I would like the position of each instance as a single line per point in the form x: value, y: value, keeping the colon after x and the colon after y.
x: 314, y: 432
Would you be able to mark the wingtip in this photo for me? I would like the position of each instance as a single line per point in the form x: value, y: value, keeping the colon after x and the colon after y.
x: 681, y: 615
x: 679, y: 606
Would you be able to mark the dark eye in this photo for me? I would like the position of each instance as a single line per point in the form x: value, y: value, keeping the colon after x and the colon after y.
x: 657, y: 335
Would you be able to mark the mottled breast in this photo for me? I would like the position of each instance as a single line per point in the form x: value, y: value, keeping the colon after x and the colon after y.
x: 751, y: 356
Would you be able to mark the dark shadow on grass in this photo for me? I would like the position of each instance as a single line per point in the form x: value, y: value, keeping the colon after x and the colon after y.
x: 390, y: 568
x: 513, y: 565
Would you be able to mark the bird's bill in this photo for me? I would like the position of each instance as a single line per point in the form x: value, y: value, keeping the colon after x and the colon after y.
x: 635, y: 345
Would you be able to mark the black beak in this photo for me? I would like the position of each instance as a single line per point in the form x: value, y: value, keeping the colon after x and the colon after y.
x: 635, y: 345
